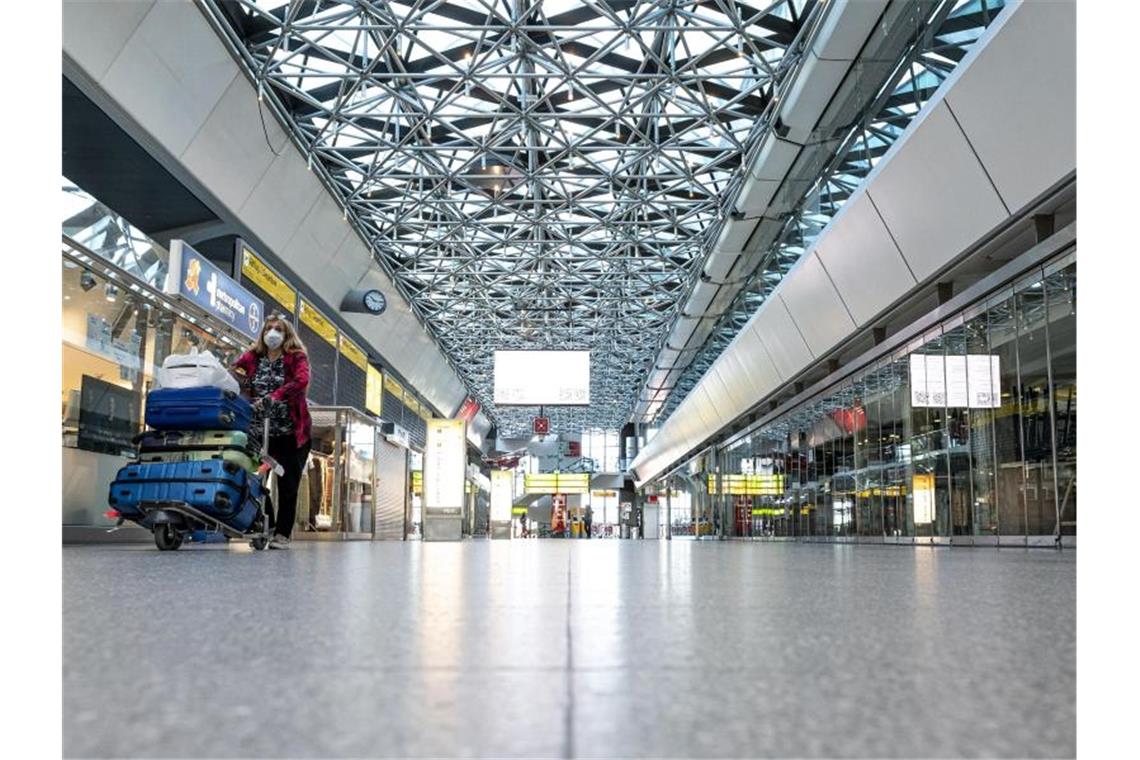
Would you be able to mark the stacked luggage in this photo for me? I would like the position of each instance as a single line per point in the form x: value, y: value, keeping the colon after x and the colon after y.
x: 195, y: 468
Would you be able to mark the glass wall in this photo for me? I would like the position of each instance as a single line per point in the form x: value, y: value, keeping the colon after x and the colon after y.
x: 967, y: 436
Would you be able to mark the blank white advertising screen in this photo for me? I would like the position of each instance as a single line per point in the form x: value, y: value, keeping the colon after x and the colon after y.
x: 532, y: 378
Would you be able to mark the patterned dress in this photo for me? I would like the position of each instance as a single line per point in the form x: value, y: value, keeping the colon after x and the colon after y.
x: 270, y: 376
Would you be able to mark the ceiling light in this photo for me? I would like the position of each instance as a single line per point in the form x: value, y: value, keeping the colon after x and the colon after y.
x: 87, y: 281
x: 111, y: 292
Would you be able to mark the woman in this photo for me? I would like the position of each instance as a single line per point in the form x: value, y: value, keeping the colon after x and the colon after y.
x: 276, y: 373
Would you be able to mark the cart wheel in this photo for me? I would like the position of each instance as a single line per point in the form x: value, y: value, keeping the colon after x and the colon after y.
x: 259, y: 543
x: 167, y: 537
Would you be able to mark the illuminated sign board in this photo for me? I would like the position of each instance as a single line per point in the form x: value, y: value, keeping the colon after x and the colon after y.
x: 502, y: 494
x: 556, y: 482
x: 445, y: 466
x: 318, y: 323
x: 970, y: 381
x: 258, y: 272
x: 534, y: 378
x: 748, y: 485
x: 193, y: 278
x: 923, y: 494
x: 374, y: 391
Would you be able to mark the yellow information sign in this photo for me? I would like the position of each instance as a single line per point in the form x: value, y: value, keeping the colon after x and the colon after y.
x: 353, y: 353
x: 374, y: 391
x: 604, y: 494
x: 557, y: 482
x: 748, y: 485
x: 258, y: 272
x: 317, y: 322
x: 393, y: 386
x: 417, y: 482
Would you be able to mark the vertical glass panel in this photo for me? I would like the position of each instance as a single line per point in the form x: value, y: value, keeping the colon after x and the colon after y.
x: 797, y: 480
x: 871, y: 460
x: 894, y: 409
x: 1036, y: 421
x: 957, y: 438
x: 982, y: 415
x: 929, y: 441
x: 1061, y: 290
x: 842, y: 414
x: 1010, y: 472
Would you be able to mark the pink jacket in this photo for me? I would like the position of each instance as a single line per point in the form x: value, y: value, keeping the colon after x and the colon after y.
x: 292, y: 392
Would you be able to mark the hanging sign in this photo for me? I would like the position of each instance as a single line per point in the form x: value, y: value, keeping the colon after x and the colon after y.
x: 556, y: 482
x: 468, y: 409
x: 258, y: 272
x: 957, y: 381
x: 192, y: 277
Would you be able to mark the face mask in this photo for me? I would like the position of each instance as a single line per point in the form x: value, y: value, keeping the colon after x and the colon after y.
x: 274, y: 339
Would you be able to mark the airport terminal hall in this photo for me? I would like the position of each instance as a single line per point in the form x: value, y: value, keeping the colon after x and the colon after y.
x: 568, y: 378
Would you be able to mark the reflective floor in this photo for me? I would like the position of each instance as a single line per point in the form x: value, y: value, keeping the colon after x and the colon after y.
x: 569, y: 648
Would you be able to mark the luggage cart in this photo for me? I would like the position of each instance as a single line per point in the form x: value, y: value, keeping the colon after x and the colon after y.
x: 172, y: 521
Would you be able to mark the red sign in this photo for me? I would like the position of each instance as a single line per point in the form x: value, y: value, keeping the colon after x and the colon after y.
x: 468, y: 410
x: 574, y: 448
x: 541, y: 425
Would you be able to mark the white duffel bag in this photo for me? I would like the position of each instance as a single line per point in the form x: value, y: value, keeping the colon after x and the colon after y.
x: 195, y: 370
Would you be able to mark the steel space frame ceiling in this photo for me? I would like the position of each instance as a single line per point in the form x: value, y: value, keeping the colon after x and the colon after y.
x: 531, y: 173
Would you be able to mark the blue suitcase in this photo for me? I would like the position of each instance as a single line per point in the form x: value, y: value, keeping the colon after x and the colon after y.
x: 197, y: 409
x: 220, y: 489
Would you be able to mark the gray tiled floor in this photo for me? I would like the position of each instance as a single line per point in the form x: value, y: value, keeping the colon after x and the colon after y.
x: 677, y: 649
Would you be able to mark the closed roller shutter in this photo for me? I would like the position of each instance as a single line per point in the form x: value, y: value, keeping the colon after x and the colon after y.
x: 392, y: 490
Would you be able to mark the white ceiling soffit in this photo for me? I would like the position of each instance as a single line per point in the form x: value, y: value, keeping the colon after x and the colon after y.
x: 169, y: 72
x: 947, y: 181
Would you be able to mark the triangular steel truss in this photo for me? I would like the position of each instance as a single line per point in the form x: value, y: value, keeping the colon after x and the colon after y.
x: 533, y: 174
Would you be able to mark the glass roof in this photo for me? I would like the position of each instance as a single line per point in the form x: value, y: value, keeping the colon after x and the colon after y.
x: 541, y: 174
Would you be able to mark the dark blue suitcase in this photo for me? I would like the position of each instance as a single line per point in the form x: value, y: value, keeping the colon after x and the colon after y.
x: 197, y: 409
x: 220, y: 489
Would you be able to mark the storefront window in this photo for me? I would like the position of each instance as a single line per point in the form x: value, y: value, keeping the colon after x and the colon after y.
x: 967, y: 435
x: 108, y: 358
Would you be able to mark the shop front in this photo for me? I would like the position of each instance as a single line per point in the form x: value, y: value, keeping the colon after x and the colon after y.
x: 118, y: 326
x: 121, y: 319
x: 964, y: 434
